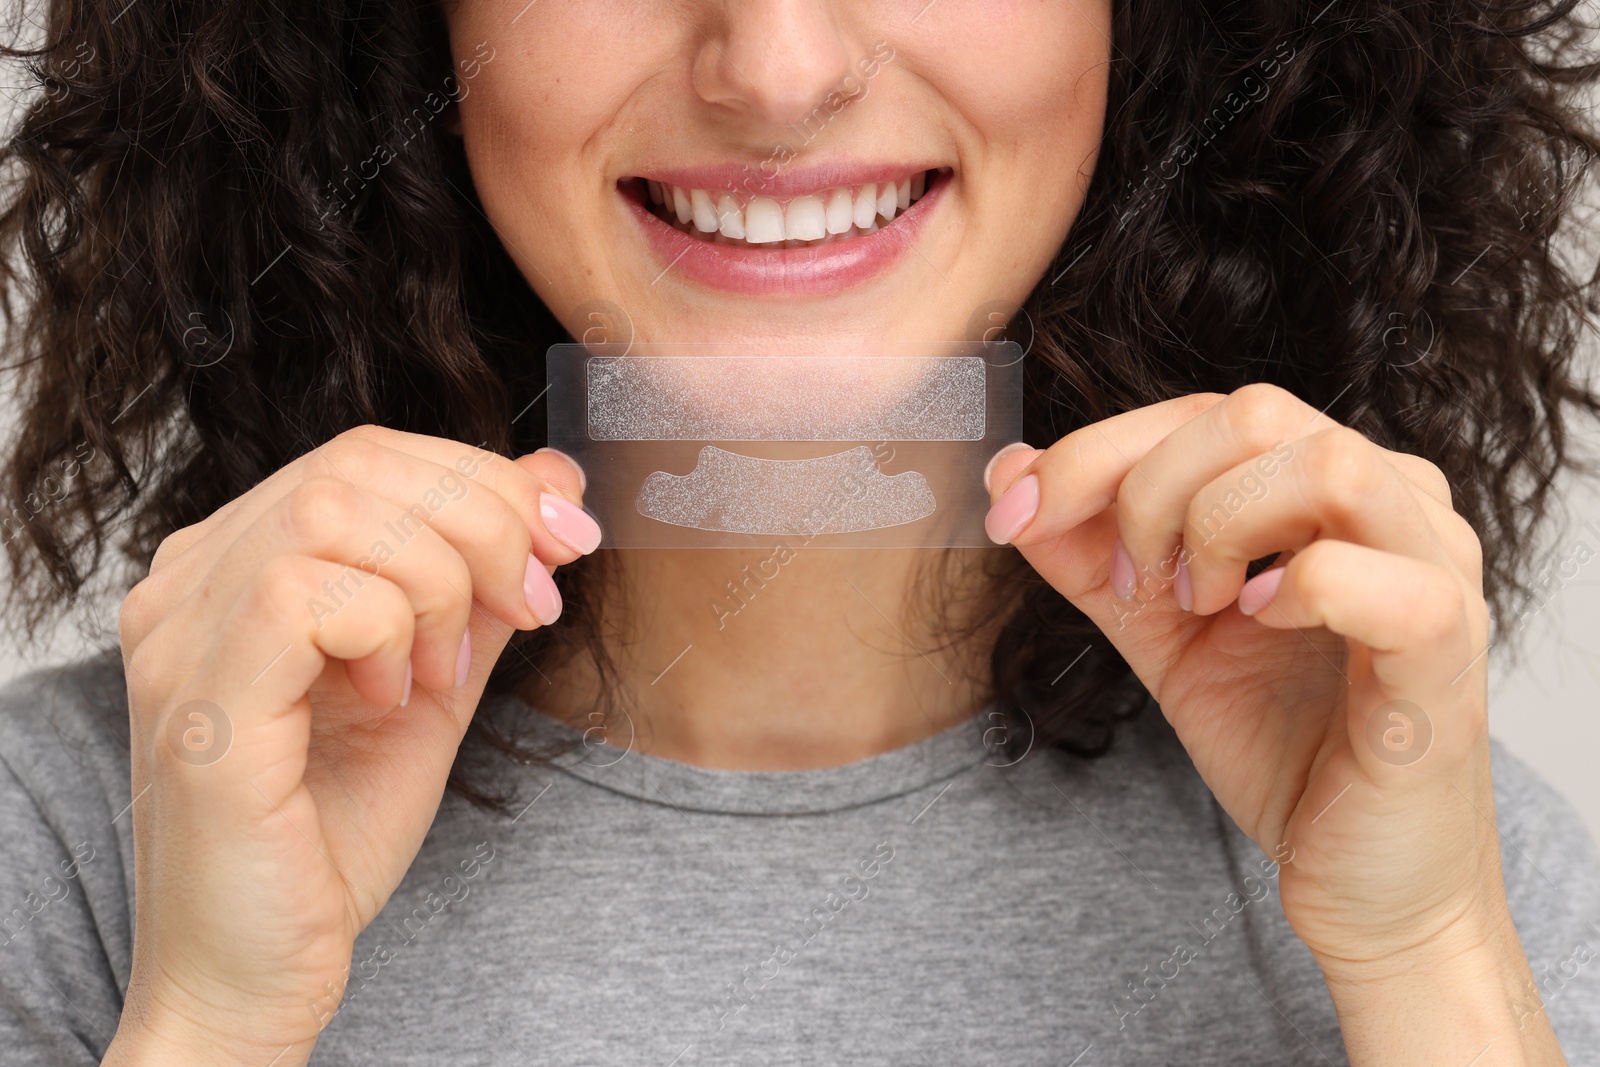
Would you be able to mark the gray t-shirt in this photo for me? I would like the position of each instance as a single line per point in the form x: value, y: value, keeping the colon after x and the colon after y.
x: 928, y: 906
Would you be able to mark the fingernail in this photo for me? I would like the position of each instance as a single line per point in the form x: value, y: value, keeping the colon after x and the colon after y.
x: 544, y: 599
x: 569, y: 524
x: 1258, y: 591
x: 1123, y: 580
x: 1013, y: 511
x: 1182, y: 588
x: 1006, y: 451
x: 583, y: 479
x: 405, y: 697
x: 464, y: 659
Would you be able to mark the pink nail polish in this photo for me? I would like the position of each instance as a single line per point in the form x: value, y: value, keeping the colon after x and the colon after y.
x: 1182, y: 587
x: 569, y: 524
x: 988, y: 469
x: 1259, y: 591
x: 405, y: 698
x: 544, y: 599
x: 1123, y: 580
x: 464, y: 659
x: 1013, y: 511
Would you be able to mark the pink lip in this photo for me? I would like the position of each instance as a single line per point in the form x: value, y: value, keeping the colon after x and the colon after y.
x: 769, y: 271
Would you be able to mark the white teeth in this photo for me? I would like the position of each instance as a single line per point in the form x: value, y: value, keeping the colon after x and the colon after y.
x: 730, y: 217
x: 888, y: 201
x: 805, y: 220
x: 763, y: 222
x: 866, y: 206
x: 705, y: 215
x: 840, y: 212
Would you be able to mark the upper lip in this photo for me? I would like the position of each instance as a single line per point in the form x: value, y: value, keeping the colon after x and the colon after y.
x: 768, y: 178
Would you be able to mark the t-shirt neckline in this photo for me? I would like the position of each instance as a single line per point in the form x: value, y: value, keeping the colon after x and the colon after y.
x: 621, y: 769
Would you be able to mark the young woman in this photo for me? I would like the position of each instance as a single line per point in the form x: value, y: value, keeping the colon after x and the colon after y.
x: 1193, y: 766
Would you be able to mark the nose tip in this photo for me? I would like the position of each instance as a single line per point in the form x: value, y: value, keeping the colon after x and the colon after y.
x: 774, y: 60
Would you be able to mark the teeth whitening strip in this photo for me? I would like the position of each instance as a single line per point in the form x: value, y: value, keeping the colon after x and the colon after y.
x: 711, y: 446
x: 783, y: 398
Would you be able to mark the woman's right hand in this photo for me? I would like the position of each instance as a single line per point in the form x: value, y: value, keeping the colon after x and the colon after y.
x: 281, y: 787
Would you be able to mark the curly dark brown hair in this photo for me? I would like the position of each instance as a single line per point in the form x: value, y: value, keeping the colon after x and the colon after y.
x: 1361, y: 201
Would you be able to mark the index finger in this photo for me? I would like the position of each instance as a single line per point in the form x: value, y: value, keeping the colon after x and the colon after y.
x: 518, y: 482
x: 1037, y: 496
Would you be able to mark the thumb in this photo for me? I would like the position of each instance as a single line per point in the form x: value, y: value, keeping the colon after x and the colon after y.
x: 1005, y: 466
x: 559, y: 470
x: 575, y: 531
x: 488, y: 635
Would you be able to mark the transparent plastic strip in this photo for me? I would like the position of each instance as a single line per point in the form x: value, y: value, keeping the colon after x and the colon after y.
x: 718, y: 446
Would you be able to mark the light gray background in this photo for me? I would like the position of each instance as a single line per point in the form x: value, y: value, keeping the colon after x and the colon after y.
x: 1543, y: 702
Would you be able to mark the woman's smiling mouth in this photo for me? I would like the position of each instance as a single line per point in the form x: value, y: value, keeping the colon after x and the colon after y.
x: 797, y: 235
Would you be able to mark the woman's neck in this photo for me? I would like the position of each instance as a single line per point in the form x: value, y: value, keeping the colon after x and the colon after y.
x: 779, y: 659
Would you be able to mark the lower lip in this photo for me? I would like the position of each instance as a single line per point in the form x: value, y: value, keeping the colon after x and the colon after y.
x: 756, y: 270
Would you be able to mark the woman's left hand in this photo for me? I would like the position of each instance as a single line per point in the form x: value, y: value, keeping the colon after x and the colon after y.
x: 1335, y: 704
